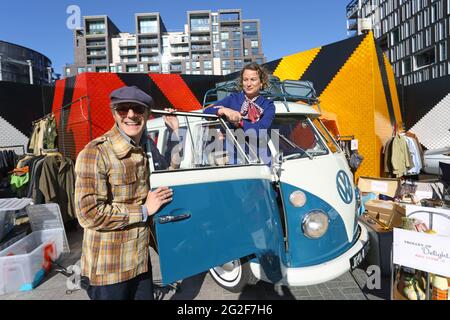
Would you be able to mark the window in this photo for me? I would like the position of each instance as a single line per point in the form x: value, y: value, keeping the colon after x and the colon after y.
x: 96, y: 27
x: 238, y: 64
x: 237, y: 44
x: 442, y: 51
x: 80, y: 70
x: 141, y: 68
x: 250, y: 30
x: 148, y: 26
x: 226, y: 64
x: 113, y: 69
x: 229, y: 16
x: 208, y: 145
x: 296, y: 136
x: 154, y: 68
x: 207, y: 65
x: 255, y: 44
x: 131, y: 42
x: 407, y: 67
x: 425, y: 58
x: 224, y: 35
x: 102, y: 69
x: 199, y: 23
x: 395, y: 37
x: 132, y: 69
x: 237, y: 52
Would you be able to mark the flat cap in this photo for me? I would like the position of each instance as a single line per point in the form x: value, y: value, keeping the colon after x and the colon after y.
x: 131, y: 95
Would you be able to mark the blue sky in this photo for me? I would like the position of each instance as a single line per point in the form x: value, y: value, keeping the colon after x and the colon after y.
x: 287, y: 26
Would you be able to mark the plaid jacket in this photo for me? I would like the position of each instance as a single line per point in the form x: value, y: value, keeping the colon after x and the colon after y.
x: 112, y: 183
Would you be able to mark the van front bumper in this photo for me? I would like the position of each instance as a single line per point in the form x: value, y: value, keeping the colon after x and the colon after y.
x: 324, y: 272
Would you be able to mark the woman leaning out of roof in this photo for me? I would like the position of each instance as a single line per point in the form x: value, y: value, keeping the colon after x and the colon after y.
x: 247, y: 109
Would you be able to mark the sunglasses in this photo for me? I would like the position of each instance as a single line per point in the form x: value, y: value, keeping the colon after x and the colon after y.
x: 124, y: 109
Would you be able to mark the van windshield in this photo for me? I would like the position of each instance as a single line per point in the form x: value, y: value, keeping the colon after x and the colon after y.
x: 297, y: 136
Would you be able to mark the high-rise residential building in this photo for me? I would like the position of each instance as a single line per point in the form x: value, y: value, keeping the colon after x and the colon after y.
x: 214, y: 43
x: 415, y: 34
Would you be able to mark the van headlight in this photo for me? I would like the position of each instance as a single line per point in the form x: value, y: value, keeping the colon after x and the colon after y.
x: 297, y: 199
x: 315, y: 224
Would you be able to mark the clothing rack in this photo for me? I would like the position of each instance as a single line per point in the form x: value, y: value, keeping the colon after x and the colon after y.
x: 43, y: 118
x: 12, y: 147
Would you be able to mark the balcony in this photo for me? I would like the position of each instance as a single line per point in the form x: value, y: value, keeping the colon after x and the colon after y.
x: 200, y: 48
x: 198, y: 39
x: 95, y: 44
x: 179, y: 49
x: 352, y: 25
x: 176, y: 67
x: 151, y: 51
x: 203, y: 30
x: 127, y: 44
x: 148, y: 42
x: 352, y: 9
x: 97, y: 61
x: 96, y: 33
x: 128, y: 53
x: 96, y: 53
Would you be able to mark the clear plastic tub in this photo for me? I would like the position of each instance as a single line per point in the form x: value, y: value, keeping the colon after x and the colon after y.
x: 7, y: 221
x: 24, y: 264
x: 9, y: 209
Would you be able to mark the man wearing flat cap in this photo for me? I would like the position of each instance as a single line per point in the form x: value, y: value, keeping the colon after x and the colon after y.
x: 114, y: 203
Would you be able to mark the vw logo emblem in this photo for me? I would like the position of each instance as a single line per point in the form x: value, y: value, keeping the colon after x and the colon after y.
x: 344, y: 187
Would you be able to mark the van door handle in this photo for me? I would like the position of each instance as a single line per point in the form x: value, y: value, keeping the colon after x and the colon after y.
x: 168, y: 219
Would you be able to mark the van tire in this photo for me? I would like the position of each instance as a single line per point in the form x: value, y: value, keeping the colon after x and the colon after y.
x: 234, y: 276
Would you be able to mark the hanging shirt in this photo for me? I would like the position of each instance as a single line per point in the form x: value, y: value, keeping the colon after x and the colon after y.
x: 415, y: 155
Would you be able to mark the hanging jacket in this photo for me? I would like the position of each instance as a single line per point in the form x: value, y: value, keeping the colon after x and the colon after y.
x: 400, y: 159
x: 57, y: 184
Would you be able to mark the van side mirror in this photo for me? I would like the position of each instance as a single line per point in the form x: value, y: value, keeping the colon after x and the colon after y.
x: 277, y: 163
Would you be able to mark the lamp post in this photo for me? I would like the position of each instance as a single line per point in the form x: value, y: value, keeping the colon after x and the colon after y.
x: 30, y: 67
x: 50, y: 74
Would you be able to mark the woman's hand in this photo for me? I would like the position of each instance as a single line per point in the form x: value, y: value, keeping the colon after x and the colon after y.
x: 158, y: 198
x: 233, y: 116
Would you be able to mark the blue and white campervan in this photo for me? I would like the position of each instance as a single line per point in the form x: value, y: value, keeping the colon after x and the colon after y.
x: 293, y: 222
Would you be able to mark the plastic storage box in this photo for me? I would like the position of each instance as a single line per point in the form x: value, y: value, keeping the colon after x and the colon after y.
x: 9, y: 208
x: 24, y: 264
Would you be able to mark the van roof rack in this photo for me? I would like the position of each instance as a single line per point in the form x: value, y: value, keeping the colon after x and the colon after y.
x: 287, y: 90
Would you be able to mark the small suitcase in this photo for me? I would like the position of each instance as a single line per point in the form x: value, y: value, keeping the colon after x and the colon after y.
x: 381, y: 239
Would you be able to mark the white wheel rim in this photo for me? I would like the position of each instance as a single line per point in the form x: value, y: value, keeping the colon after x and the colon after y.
x: 228, y: 274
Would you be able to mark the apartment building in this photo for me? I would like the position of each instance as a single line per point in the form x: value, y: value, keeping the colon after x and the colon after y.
x: 212, y: 43
x: 415, y: 34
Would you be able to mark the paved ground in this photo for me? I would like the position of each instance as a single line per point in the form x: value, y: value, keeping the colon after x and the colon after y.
x: 203, y: 287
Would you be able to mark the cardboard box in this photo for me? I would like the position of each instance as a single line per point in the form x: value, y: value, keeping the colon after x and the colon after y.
x: 385, y: 186
x: 387, y: 212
